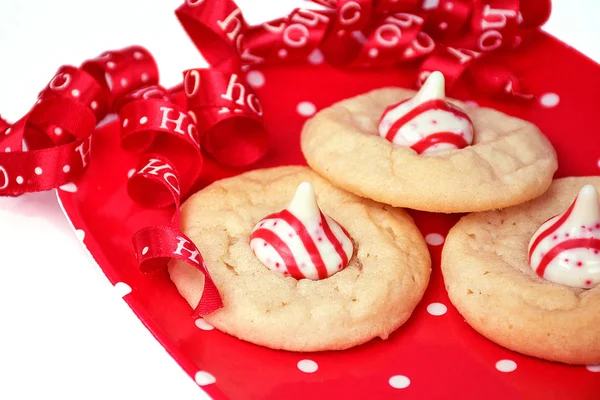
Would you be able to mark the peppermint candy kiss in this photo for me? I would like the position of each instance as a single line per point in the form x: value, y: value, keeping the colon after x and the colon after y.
x: 427, y: 122
x: 300, y: 240
x: 566, y: 248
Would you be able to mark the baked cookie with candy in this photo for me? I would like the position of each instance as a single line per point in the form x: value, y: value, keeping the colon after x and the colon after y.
x: 528, y: 277
x: 302, y: 265
x: 423, y: 151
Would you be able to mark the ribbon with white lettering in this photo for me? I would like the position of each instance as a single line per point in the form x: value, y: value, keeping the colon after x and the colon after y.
x: 216, y: 112
x: 444, y: 35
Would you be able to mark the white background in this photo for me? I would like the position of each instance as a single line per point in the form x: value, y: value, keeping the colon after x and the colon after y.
x: 64, y: 331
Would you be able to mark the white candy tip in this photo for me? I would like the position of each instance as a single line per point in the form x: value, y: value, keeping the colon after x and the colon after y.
x: 304, y: 201
x: 589, y: 192
x: 433, y: 88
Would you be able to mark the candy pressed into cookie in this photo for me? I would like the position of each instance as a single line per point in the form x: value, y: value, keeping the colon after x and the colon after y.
x: 419, y: 150
x: 528, y: 277
x: 299, y: 273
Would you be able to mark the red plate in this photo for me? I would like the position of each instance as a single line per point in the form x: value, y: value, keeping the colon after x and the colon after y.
x: 432, y: 356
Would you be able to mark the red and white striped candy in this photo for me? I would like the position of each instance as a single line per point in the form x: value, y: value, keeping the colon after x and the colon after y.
x: 301, y: 241
x: 427, y: 122
x: 566, y: 248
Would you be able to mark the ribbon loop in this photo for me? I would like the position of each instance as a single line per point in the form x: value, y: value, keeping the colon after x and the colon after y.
x: 121, y: 71
x: 215, y: 27
x: 228, y: 113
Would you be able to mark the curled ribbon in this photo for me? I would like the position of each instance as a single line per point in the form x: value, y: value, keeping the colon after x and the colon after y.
x: 215, y: 112
x: 451, y: 36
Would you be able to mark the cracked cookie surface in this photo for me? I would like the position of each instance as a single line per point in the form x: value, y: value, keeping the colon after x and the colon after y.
x: 510, y: 161
x: 489, y: 281
x: 375, y: 294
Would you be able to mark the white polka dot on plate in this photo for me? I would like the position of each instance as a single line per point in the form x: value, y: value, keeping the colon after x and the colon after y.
x: 204, y: 378
x: 373, y: 53
x: 80, y: 234
x: 19, y: 180
x: 202, y: 324
x: 256, y: 79
x: 437, y: 309
x: 430, y: 4
x: 316, y: 57
x: 143, y: 120
x: 145, y: 77
x: 549, y: 100
x: 123, y: 82
x: 593, y: 368
x: 145, y: 250
x: 66, y: 169
x: 94, y: 105
x: 125, y: 122
x: 449, y: 6
x: 69, y: 187
x: 434, y: 239
x: 38, y: 171
x: 110, y: 65
x: 443, y: 25
x: 58, y: 131
x: 137, y: 55
x: 399, y: 382
x: 306, y: 108
x: 282, y: 53
x: 7, y: 132
x: 122, y: 289
x: 506, y: 365
x: 308, y: 366
x: 7, y: 150
x: 75, y: 93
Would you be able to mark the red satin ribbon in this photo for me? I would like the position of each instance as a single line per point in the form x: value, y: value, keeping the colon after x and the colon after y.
x: 217, y: 112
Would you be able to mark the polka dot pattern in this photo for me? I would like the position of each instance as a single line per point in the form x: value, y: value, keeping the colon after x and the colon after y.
x: 69, y: 187
x: 145, y: 250
x: 66, y: 169
x: 308, y: 366
x: 256, y: 79
x: 204, y: 378
x: 437, y: 309
x: 593, y: 368
x: 122, y: 289
x: 434, y: 239
x: 306, y: 108
x: 399, y: 382
x: 549, y: 100
x: 38, y: 171
x: 80, y: 233
x: 506, y: 365
x: 316, y: 57
x: 202, y: 324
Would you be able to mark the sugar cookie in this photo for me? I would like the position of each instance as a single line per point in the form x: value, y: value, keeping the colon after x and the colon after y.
x: 386, y: 275
x: 486, y: 269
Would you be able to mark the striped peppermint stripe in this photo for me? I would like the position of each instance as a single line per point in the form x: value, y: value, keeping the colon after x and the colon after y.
x: 423, y: 126
x: 285, y: 244
x: 562, y: 248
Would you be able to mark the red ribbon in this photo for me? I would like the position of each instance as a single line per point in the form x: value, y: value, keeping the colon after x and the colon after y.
x: 217, y: 113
